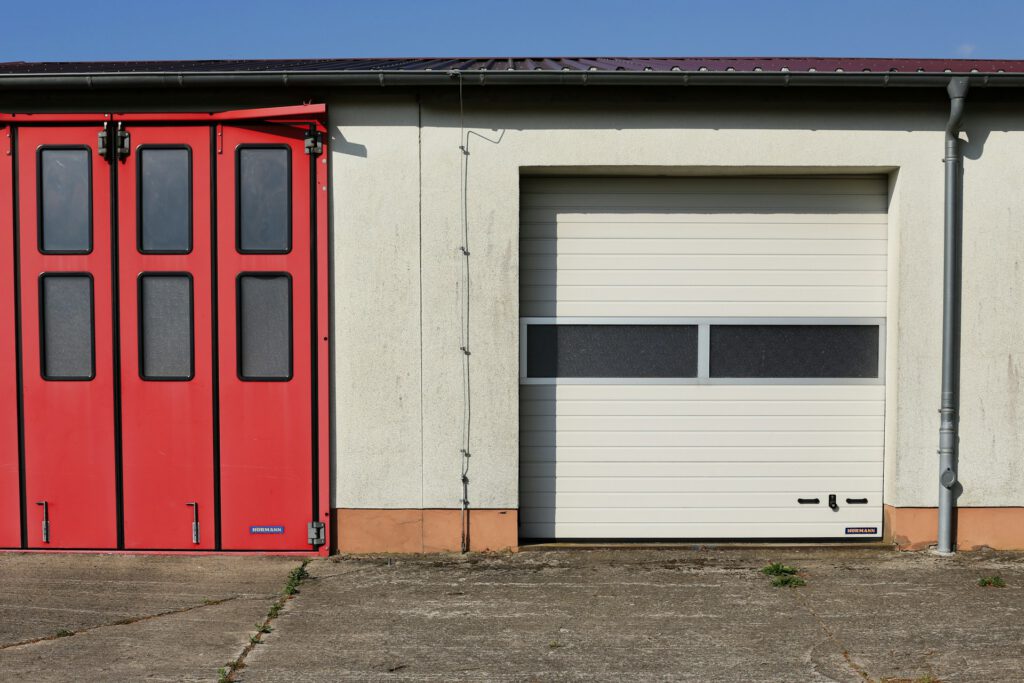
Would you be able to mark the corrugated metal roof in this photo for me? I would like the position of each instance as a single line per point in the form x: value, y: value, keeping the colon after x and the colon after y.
x: 522, y: 64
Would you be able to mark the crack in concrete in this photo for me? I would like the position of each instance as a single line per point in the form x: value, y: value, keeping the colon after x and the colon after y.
x: 295, y: 579
x: 831, y: 636
x: 122, y: 622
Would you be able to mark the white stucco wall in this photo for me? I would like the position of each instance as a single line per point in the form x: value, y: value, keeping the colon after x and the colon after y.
x: 397, y: 267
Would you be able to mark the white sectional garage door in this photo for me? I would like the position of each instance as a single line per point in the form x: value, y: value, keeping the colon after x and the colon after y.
x: 702, y: 357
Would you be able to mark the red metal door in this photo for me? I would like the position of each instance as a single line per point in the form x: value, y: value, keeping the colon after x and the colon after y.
x: 265, y: 337
x: 67, y: 338
x: 167, y: 360
x: 10, y: 496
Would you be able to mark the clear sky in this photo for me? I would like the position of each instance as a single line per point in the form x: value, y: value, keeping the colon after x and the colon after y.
x: 69, y: 30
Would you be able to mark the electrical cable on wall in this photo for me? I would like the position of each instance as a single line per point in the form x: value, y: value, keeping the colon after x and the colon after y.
x: 464, y: 310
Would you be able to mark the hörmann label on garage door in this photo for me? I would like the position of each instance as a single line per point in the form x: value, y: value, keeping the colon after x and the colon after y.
x: 702, y: 357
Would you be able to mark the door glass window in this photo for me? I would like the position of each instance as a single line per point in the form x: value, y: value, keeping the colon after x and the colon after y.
x: 165, y: 200
x: 795, y: 351
x: 65, y: 201
x: 165, y: 327
x: 65, y: 301
x: 611, y: 351
x: 264, y: 200
x: 264, y: 326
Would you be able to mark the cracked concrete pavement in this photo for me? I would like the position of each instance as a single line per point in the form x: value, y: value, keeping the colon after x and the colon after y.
x: 130, y: 617
x: 678, y: 613
x: 651, y: 615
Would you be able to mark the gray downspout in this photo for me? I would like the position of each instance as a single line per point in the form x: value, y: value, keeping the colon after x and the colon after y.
x: 949, y: 419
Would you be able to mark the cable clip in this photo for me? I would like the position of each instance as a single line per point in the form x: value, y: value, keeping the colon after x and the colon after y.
x: 464, y: 250
x: 464, y: 350
x: 465, y: 452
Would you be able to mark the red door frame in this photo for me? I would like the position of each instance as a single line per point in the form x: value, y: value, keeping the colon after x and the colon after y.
x: 311, y: 117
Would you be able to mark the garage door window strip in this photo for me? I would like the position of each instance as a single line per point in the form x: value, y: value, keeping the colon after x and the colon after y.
x: 702, y: 351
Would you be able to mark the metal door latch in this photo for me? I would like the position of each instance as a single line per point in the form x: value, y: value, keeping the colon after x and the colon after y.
x: 195, y: 521
x: 316, y: 533
x: 832, y: 502
x: 46, y: 520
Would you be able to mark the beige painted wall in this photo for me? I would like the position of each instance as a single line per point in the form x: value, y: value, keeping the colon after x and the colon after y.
x: 398, y: 271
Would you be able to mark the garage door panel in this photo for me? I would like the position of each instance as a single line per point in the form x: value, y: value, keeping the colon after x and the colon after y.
x: 867, y: 228
x: 597, y: 408
x: 646, y: 485
x: 850, y: 514
x: 641, y: 439
x: 697, y: 278
x: 799, y: 454
x: 744, y: 530
x: 698, y: 202
x: 763, y: 184
x: 638, y: 467
x: 582, y: 293
x: 729, y: 247
x: 697, y: 261
x: 702, y: 423
x: 808, y: 394
x: 563, y: 500
x: 733, y: 309
x: 614, y: 460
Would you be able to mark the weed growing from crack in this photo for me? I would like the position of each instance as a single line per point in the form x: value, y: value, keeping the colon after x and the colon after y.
x: 788, y: 580
x: 778, y: 569
x: 226, y: 674
x: 992, y: 582
x: 64, y: 633
x: 297, y: 576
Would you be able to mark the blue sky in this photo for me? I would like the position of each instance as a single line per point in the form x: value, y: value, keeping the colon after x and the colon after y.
x: 40, y: 30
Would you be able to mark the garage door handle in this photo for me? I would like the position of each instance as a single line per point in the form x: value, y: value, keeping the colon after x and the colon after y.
x: 808, y: 501
x: 856, y: 501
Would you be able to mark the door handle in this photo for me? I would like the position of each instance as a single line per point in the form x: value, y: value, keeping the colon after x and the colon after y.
x: 46, y: 520
x: 195, y: 521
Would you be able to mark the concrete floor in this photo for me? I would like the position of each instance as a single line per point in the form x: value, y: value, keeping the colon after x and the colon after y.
x: 602, y: 615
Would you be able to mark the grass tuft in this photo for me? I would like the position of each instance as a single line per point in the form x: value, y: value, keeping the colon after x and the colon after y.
x: 778, y: 569
x: 788, y: 580
x: 992, y: 582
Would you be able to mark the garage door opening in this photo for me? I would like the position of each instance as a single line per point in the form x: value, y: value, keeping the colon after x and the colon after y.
x: 702, y: 358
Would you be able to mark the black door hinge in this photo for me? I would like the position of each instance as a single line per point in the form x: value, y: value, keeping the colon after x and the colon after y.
x: 124, y: 142
x: 314, y: 143
x: 316, y: 533
x: 103, y: 141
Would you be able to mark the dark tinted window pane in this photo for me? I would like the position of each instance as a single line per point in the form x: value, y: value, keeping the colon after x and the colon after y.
x: 165, y: 327
x: 66, y: 302
x: 264, y: 200
x: 165, y: 200
x: 65, y: 194
x: 611, y: 351
x: 264, y: 334
x: 794, y: 351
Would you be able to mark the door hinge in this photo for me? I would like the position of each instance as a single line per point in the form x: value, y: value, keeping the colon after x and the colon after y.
x: 124, y: 142
x: 316, y: 533
x: 103, y: 141
x: 314, y: 142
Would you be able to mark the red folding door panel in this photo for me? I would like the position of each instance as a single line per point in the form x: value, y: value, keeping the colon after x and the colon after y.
x: 67, y: 354
x: 167, y: 401
x: 10, y: 496
x: 264, y: 273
